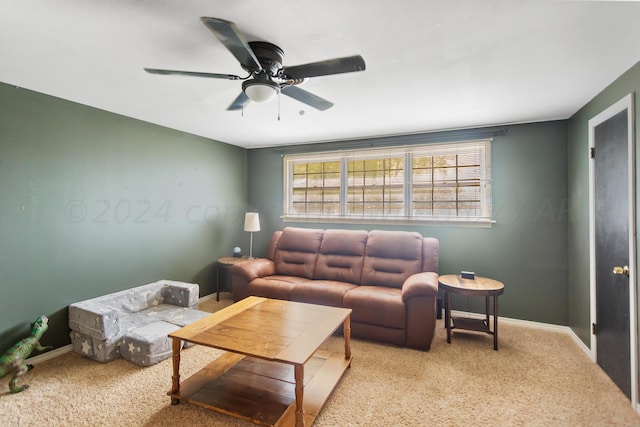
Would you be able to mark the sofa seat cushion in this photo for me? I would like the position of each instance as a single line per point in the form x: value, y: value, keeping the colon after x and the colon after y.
x: 97, y: 349
x: 325, y: 292
x: 376, y: 305
x: 148, y: 344
x: 165, y: 312
x: 277, y: 286
x: 180, y: 316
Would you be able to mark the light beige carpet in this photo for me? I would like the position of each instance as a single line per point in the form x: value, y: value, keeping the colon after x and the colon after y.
x: 537, y: 378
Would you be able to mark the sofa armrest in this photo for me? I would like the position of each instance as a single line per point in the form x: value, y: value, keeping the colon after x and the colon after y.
x: 245, y: 272
x: 420, y: 285
x: 419, y: 293
x: 180, y: 293
x: 254, y: 268
x: 95, y: 320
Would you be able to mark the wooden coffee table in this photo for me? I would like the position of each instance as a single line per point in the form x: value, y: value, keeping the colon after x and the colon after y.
x: 272, y: 373
x: 477, y: 287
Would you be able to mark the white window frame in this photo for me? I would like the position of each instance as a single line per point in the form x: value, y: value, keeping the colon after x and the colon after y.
x: 483, y: 146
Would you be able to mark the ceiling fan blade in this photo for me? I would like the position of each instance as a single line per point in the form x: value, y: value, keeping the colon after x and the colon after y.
x: 192, y: 73
x: 324, y: 68
x: 239, y: 102
x: 307, y: 98
x: 231, y: 37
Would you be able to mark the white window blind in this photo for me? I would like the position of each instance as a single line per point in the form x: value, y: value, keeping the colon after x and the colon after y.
x: 436, y: 182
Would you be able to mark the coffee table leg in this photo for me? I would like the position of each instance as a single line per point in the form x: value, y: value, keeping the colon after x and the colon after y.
x: 447, y: 314
x: 175, y: 379
x: 347, y: 337
x: 299, y: 376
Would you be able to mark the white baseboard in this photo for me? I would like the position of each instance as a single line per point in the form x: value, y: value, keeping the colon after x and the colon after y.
x: 530, y: 324
x: 49, y: 355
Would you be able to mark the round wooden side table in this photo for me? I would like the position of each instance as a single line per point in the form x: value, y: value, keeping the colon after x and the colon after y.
x: 476, y: 287
x: 224, y: 264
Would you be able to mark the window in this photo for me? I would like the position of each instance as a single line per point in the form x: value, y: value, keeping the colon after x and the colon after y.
x: 432, y: 183
x: 316, y: 188
x: 375, y: 187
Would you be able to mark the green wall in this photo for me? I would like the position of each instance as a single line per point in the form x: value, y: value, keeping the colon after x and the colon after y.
x: 578, y: 190
x: 527, y: 246
x: 93, y: 202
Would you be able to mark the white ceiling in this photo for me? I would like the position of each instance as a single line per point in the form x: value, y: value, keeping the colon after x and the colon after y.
x: 431, y: 64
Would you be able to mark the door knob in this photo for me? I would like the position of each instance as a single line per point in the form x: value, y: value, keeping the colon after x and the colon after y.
x: 621, y: 270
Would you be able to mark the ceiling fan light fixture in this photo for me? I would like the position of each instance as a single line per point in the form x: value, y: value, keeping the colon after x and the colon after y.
x: 260, y: 89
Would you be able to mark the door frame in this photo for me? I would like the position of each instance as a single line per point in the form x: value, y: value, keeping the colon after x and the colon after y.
x: 625, y: 103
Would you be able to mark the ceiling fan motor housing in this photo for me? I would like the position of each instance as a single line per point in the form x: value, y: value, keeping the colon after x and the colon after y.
x: 269, y: 55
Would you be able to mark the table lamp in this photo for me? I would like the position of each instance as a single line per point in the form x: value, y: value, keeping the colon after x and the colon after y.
x: 251, y: 224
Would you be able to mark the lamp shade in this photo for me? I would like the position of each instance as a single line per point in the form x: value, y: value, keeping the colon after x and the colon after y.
x: 251, y: 221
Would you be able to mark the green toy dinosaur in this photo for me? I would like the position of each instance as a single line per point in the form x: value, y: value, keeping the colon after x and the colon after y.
x: 13, y: 361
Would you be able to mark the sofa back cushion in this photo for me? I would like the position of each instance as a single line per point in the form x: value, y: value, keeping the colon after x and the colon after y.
x: 391, y: 257
x: 135, y: 299
x: 273, y: 244
x: 341, y: 256
x: 296, y: 251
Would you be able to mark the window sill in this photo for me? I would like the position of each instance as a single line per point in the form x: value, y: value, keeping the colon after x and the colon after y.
x: 433, y: 221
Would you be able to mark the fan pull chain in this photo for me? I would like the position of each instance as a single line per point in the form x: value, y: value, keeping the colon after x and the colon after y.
x: 279, y: 105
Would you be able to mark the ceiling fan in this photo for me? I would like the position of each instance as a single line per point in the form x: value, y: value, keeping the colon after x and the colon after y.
x: 267, y: 77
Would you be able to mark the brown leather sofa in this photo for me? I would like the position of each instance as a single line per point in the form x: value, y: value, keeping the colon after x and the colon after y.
x: 388, y: 278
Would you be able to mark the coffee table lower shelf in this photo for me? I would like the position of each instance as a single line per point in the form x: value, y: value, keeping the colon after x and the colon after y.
x: 263, y: 391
